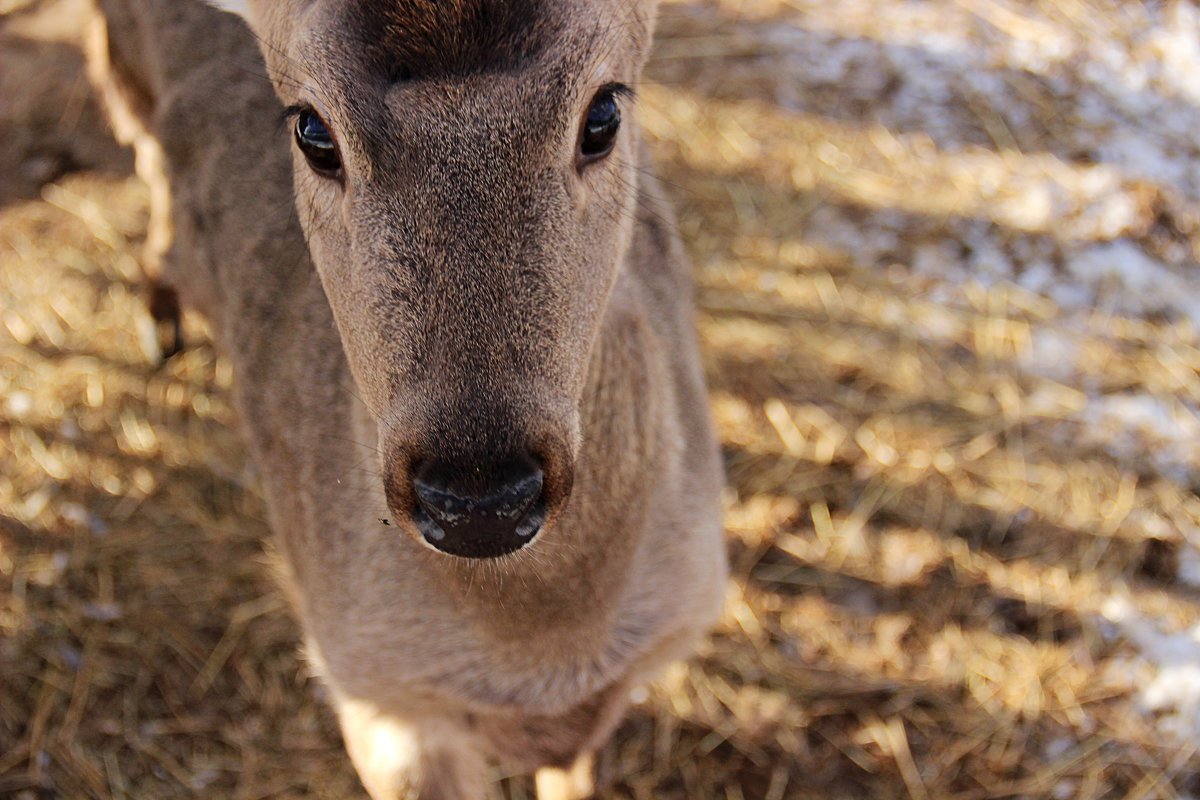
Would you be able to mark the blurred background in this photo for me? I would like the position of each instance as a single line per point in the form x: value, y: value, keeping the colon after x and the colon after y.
x: 946, y: 255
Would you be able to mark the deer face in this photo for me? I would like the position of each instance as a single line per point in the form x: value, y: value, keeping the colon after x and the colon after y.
x: 465, y: 176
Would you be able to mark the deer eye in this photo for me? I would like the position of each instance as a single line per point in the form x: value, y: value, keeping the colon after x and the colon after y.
x: 600, y: 127
x: 316, y: 143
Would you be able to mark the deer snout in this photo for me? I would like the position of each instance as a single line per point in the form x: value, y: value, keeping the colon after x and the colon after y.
x: 480, y: 511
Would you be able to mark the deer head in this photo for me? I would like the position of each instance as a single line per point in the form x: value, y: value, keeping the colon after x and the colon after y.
x: 465, y: 176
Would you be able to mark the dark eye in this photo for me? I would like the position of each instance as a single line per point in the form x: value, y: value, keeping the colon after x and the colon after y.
x: 600, y: 127
x: 316, y: 142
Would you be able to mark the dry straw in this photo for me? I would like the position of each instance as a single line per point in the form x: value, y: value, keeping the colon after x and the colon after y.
x: 924, y: 535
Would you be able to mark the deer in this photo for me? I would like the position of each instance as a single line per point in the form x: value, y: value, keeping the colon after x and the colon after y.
x: 431, y: 242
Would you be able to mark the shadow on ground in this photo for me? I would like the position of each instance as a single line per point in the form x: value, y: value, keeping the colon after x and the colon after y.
x: 923, y: 537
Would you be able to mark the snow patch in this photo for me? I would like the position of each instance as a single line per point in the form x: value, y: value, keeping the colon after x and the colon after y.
x: 1142, y: 431
x: 1128, y: 281
x: 1172, y: 660
x: 1052, y: 353
x: 1188, y: 571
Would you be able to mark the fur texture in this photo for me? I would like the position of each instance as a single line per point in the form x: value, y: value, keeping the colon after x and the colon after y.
x: 464, y: 289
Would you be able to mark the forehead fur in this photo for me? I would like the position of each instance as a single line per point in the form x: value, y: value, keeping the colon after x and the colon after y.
x: 431, y: 38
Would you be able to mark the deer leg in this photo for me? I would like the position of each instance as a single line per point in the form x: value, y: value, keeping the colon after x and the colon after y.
x: 162, y: 300
x: 130, y: 106
x: 400, y: 759
x: 574, y: 783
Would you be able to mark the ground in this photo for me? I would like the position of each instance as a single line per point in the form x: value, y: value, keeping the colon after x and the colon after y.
x: 947, y: 264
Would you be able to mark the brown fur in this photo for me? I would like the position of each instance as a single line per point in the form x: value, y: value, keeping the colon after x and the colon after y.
x: 465, y: 291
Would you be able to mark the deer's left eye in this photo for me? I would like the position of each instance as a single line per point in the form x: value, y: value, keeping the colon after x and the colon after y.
x: 600, y: 127
x: 317, y: 144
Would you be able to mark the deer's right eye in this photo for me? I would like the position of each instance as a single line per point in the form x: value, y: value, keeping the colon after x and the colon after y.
x: 317, y: 144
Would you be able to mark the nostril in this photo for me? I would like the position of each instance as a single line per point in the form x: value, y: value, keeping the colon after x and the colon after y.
x: 479, y: 510
x: 508, y: 498
x: 516, y: 497
x: 440, y: 502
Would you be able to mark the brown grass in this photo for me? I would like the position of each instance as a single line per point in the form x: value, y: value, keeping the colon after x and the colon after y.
x: 923, y: 536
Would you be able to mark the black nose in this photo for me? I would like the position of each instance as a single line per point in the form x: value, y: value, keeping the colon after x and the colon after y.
x: 479, y: 511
